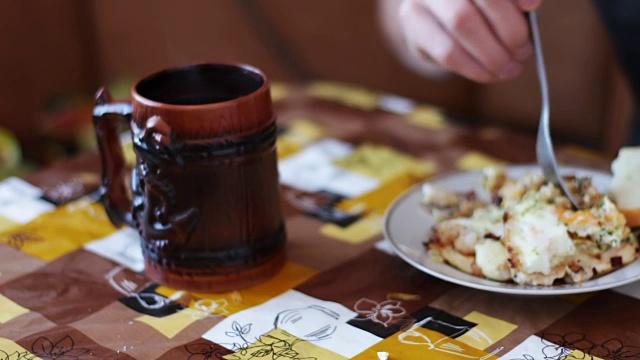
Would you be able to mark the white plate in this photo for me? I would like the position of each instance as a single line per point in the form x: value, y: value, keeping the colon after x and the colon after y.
x: 408, y: 225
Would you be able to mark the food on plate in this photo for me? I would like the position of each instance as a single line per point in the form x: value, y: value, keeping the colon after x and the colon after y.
x: 625, y: 189
x: 527, y: 231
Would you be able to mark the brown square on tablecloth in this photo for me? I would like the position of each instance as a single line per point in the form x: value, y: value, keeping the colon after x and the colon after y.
x: 65, y: 290
x: 117, y: 325
x: 28, y: 323
x: 336, y: 120
x: 404, y: 136
x: 64, y: 342
x: 196, y: 349
x: 307, y: 246
x: 70, y: 179
x: 374, y: 276
x: 607, y: 326
x: 14, y: 263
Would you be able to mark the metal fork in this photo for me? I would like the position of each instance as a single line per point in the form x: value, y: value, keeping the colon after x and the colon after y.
x: 544, y: 147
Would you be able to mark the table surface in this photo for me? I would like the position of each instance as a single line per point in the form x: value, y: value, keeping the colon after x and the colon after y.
x: 73, y: 287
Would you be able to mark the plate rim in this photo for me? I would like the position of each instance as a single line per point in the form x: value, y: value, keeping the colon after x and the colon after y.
x: 515, y: 290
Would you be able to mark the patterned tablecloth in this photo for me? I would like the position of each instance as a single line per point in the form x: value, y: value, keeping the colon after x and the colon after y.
x: 73, y: 287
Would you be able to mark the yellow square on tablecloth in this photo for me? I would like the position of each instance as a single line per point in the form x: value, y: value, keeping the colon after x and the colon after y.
x: 346, y: 94
x: 426, y: 116
x: 383, y: 163
x: 358, y: 232
x: 10, y: 350
x: 299, y: 133
x: 279, y: 91
x: 10, y: 310
x: 474, y: 160
x: 577, y: 354
x: 171, y: 325
x: 129, y: 154
x: 279, y: 344
x: 421, y: 343
x: 7, y: 224
x: 229, y: 303
x: 487, y: 332
x: 61, y: 231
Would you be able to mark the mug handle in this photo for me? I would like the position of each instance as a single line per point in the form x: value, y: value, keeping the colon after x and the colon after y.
x: 114, y: 191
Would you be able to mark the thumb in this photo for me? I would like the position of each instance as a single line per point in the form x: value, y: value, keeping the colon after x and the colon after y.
x: 528, y: 5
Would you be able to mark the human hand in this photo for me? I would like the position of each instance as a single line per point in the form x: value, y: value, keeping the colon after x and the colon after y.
x: 483, y: 40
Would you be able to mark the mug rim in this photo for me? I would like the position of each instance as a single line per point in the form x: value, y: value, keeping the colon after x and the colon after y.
x: 137, y: 97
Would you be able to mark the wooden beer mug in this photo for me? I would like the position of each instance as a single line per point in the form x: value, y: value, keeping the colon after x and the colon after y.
x: 204, y: 193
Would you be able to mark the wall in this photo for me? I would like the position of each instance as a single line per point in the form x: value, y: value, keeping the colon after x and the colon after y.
x: 42, y: 53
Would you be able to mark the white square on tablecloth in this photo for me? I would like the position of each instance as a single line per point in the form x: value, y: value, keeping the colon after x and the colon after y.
x: 312, y: 170
x: 20, y: 201
x: 301, y: 315
x: 123, y: 247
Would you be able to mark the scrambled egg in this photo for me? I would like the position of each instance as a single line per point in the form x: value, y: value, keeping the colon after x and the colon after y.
x: 603, y: 224
x: 529, y: 233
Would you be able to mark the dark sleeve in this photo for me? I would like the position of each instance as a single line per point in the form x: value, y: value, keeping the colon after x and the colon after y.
x: 621, y: 19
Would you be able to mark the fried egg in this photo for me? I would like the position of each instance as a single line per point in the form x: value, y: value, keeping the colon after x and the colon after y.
x: 538, y: 242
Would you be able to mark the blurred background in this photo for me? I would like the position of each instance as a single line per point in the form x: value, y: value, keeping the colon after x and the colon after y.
x: 55, y: 54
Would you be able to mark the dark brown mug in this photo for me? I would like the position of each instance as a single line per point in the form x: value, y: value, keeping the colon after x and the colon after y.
x: 204, y: 193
